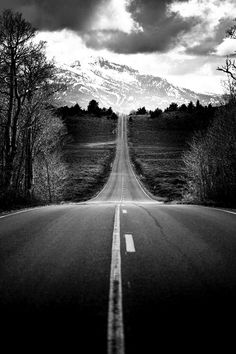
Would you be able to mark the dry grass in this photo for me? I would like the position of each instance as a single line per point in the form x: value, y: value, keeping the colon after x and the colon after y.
x: 157, y: 156
x: 88, y: 156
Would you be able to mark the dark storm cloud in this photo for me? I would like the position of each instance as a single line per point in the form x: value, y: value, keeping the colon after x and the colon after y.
x: 54, y: 14
x: 75, y: 14
x: 149, y: 12
x: 160, y: 32
x: 157, y: 38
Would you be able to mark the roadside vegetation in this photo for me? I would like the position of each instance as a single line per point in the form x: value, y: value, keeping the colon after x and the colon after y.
x: 186, y: 153
x: 157, y: 142
x: 210, y: 162
x: 30, y: 135
x: 37, y: 141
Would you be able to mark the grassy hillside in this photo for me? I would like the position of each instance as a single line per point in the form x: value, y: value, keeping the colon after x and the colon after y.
x: 88, y: 154
x: 156, y: 151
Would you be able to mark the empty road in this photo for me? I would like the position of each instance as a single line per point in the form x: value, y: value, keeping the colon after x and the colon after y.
x: 121, y: 273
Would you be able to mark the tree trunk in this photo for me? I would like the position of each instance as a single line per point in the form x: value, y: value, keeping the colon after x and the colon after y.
x: 48, y: 182
x: 7, y: 136
x: 28, y: 165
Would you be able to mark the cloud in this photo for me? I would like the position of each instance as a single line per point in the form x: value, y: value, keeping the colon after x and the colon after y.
x: 77, y: 15
x: 158, y: 30
x: 227, y: 47
x: 113, y: 15
x: 123, y: 26
x: 55, y: 14
x: 152, y: 39
x: 135, y: 26
x: 199, y: 26
x: 213, y: 18
x: 64, y: 46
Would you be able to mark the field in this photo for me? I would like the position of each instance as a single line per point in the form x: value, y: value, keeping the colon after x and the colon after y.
x: 156, y: 155
x: 88, y: 154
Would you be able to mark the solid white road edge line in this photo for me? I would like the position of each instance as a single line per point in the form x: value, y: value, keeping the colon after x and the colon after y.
x: 141, y: 187
x: 205, y: 207
x: 129, y: 243
x: 115, y: 333
x: 30, y: 209
x: 19, y: 212
x: 40, y: 207
x: 225, y: 211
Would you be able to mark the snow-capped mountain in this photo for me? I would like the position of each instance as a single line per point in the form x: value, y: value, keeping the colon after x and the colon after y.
x: 121, y: 87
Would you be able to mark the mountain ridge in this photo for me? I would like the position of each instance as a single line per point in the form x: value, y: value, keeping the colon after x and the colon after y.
x: 121, y: 87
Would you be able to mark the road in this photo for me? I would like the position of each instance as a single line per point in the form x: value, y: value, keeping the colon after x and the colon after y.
x: 121, y: 273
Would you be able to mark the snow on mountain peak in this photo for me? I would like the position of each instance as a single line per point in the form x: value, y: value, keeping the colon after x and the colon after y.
x: 121, y: 87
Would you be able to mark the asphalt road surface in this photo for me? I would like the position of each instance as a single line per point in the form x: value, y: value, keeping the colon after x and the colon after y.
x: 121, y: 273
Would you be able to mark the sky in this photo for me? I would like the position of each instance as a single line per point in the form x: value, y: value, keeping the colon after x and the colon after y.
x: 182, y: 41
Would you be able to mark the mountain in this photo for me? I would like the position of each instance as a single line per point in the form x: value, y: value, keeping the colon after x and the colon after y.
x: 121, y: 87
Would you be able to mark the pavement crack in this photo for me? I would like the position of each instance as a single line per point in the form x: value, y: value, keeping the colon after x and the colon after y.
x: 156, y: 222
x: 184, y: 255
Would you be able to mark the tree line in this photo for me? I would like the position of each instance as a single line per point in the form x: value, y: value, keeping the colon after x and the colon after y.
x: 92, y: 109
x: 30, y: 134
x: 188, y: 117
x: 174, y: 107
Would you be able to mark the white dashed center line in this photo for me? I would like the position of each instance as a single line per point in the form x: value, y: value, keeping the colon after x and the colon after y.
x: 129, y: 243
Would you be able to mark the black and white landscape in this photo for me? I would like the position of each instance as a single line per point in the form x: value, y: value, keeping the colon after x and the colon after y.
x: 117, y: 176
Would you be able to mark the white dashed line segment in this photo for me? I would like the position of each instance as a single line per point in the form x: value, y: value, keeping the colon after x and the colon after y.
x: 129, y: 243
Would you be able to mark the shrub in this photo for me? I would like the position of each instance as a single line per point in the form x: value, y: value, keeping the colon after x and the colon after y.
x: 210, y: 163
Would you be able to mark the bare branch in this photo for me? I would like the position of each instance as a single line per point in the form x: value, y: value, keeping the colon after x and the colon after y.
x: 229, y: 68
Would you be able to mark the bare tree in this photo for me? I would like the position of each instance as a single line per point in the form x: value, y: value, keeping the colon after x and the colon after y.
x: 23, y: 71
x: 229, y: 68
x: 28, y: 84
x: 210, y: 163
x: 230, y: 64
